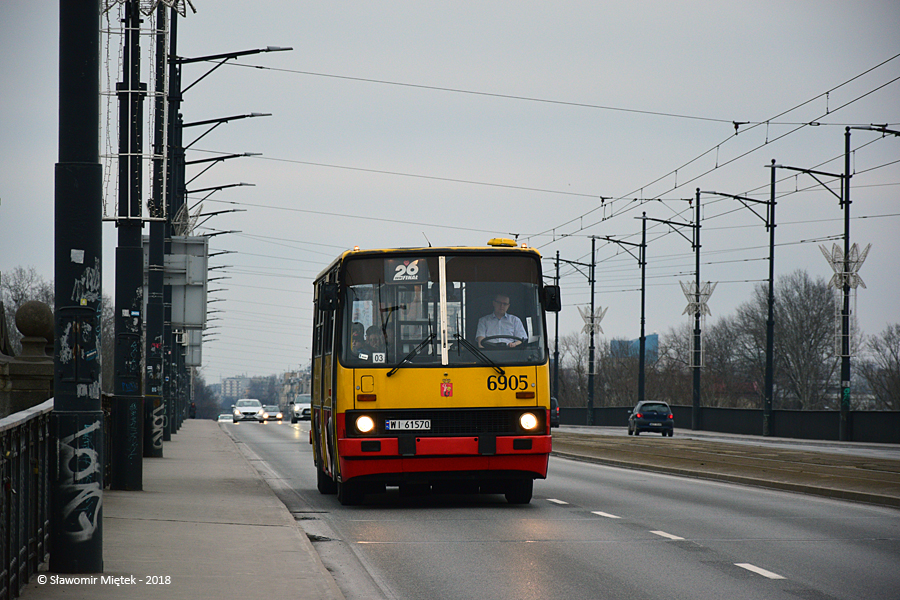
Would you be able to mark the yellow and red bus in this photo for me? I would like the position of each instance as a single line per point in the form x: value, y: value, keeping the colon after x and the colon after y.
x: 431, y: 371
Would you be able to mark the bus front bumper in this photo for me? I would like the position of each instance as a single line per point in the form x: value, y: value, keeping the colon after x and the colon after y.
x: 411, y: 454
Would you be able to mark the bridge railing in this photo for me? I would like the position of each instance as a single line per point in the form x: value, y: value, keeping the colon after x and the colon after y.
x: 24, y: 496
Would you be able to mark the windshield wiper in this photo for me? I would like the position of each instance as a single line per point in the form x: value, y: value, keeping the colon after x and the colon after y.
x: 415, y: 351
x: 474, y: 349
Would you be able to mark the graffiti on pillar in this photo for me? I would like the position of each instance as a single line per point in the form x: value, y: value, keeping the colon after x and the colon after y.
x: 133, y: 433
x: 159, y: 420
x: 66, y: 352
x: 79, y: 356
x: 80, y: 477
x: 132, y: 317
x: 87, y: 287
x: 85, y: 390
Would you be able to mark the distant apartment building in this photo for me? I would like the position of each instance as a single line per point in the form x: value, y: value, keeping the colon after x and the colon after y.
x: 292, y: 384
x: 234, y: 388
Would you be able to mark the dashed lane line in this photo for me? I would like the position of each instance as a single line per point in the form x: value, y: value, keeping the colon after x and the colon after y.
x: 759, y: 571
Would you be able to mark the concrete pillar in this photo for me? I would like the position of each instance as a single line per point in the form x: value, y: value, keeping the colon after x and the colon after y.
x: 27, y: 380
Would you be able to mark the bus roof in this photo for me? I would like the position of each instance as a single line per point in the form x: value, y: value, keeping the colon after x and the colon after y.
x: 427, y: 250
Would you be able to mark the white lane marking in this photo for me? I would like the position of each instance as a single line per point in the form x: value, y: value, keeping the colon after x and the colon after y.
x: 555, y: 501
x: 667, y: 535
x: 759, y: 571
x: 603, y: 514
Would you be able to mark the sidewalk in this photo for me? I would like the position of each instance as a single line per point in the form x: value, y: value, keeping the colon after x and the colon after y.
x: 206, y: 521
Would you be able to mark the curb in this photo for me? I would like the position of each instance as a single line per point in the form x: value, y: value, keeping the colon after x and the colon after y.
x: 863, y: 497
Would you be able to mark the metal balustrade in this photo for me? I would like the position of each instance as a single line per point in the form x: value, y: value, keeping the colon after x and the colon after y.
x: 24, y: 496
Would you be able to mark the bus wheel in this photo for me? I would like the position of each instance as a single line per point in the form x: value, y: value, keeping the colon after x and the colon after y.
x: 349, y: 493
x: 519, y: 491
x: 325, y: 483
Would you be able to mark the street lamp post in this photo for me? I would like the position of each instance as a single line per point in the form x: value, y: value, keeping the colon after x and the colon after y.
x: 176, y: 200
x: 126, y: 469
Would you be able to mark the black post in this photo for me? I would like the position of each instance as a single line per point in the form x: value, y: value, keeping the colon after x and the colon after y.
x: 770, y: 320
x: 76, y: 479
x: 695, y: 404
x: 844, y: 433
x: 154, y: 407
x: 556, y: 341
x: 125, y: 466
x: 643, y: 340
x: 590, y: 415
x: 173, y: 202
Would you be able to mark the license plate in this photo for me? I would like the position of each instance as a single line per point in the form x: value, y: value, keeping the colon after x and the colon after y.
x: 407, y: 425
x: 655, y: 424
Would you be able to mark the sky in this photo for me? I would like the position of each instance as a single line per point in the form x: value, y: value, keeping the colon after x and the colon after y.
x: 399, y: 124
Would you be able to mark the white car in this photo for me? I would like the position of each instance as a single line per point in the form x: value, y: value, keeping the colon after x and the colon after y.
x: 301, y: 408
x: 224, y: 417
x: 248, y: 409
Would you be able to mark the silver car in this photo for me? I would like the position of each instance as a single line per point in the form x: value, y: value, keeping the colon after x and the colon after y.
x: 300, y: 409
x: 248, y: 409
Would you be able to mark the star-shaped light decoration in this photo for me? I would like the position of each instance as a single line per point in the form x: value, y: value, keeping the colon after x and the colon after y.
x: 690, y: 292
x: 854, y: 261
x: 592, y: 321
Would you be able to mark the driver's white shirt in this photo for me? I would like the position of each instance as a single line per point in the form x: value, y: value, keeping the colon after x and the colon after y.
x: 489, y: 325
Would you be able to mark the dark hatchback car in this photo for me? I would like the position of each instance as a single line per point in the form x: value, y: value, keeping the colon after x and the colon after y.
x: 554, y: 412
x: 651, y: 415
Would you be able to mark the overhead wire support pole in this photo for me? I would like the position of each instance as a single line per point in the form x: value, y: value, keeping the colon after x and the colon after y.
x: 556, y: 340
x: 75, y: 532
x: 770, y: 319
x: 155, y: 347
x: 642, y: 264
x: 126, y: 469
x: 844, y: 433
x: 698, y: 306
x: 769, y: 220
x: 592, y: 323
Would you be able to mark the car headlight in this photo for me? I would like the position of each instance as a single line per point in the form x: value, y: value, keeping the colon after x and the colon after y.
x: 528, y: 421
x: 237, y: 413
x: 279, y: 416
x: 365, y: 424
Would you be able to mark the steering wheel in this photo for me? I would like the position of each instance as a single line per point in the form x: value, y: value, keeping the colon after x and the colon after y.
x: 497, y: 345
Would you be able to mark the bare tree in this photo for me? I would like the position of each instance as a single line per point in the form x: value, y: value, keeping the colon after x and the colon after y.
x: 573, y: 372
x: 749, y: 330
x: 805, y: 327
x: 882, y: 369
x: 17, y: 287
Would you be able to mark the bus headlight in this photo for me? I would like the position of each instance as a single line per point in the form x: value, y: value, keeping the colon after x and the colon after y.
x: 365, y: 424
x: 528, y: 421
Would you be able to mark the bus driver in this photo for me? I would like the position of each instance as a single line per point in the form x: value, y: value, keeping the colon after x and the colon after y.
x: 499, y: 323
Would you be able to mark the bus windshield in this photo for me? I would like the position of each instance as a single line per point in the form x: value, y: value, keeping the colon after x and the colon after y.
x: 467, y: 309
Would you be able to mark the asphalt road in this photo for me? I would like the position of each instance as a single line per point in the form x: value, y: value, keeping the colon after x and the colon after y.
x: 591, y: 531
